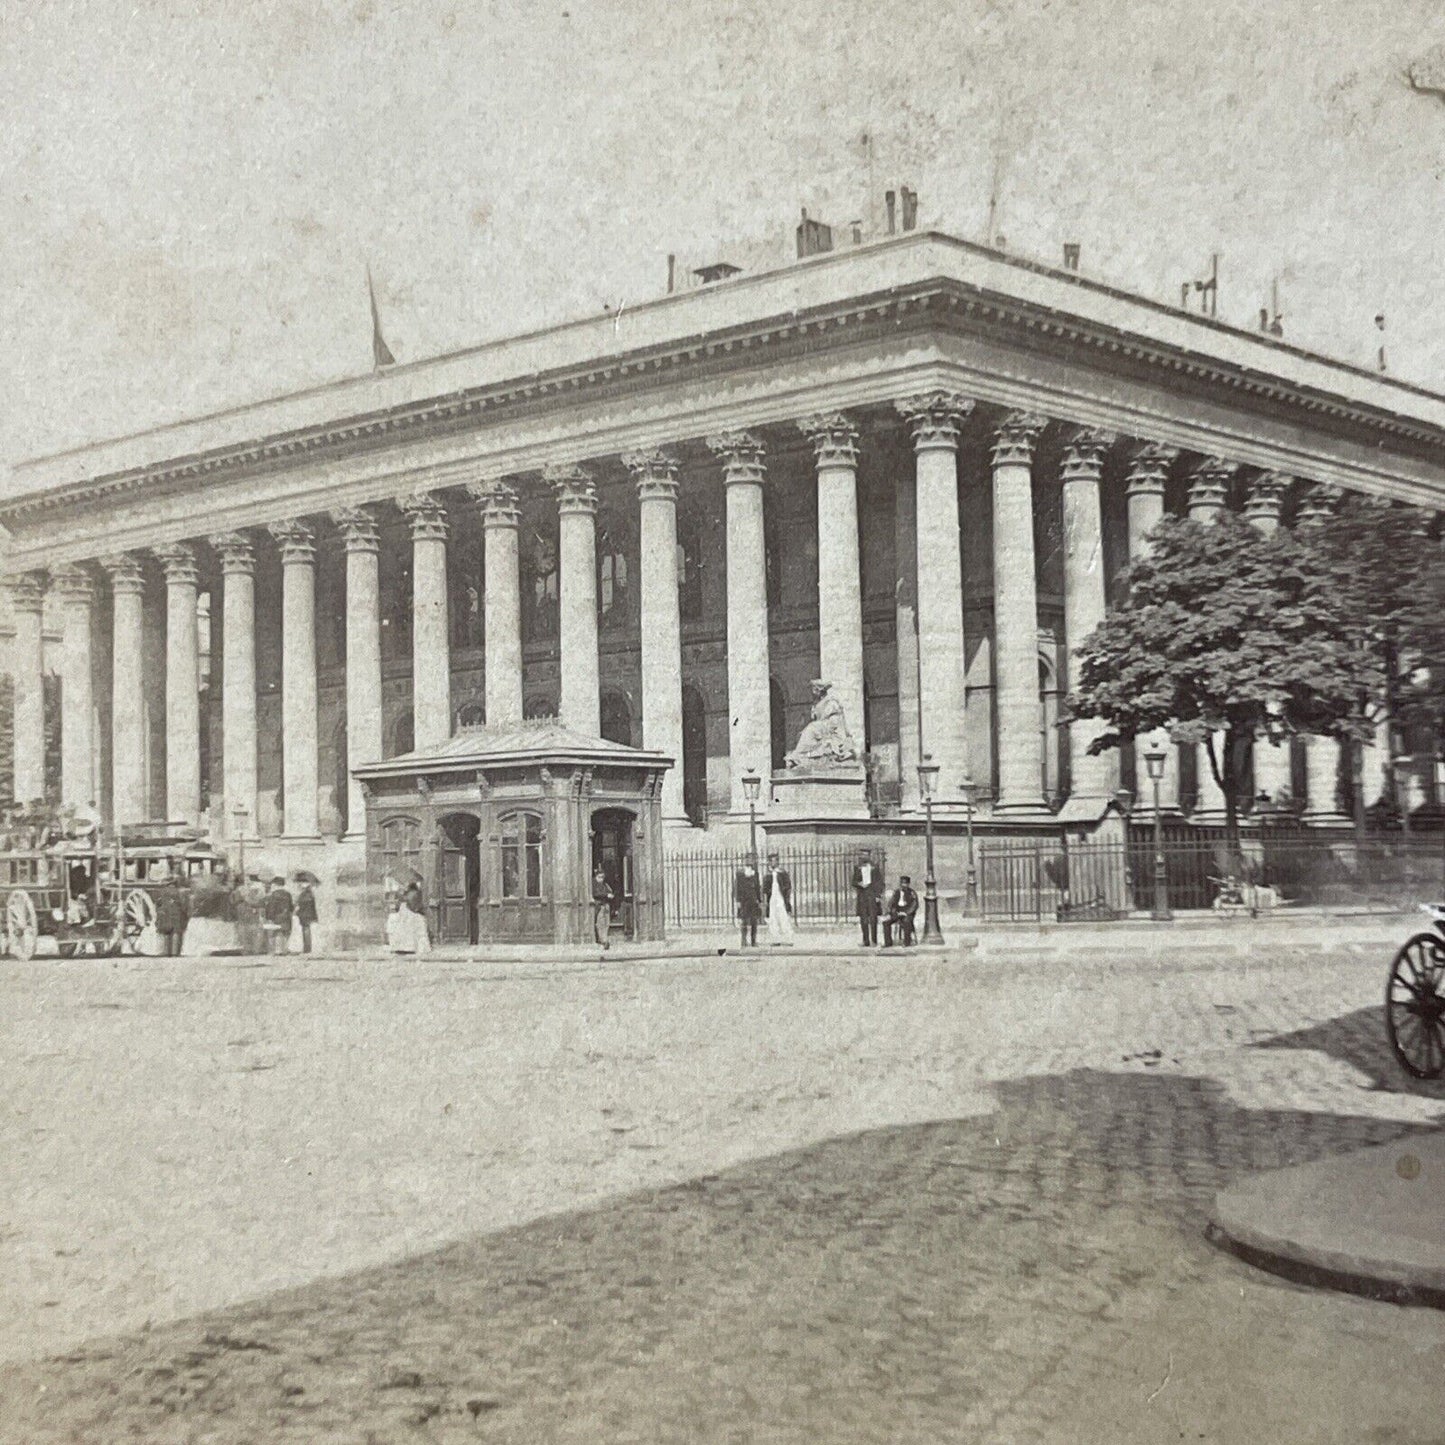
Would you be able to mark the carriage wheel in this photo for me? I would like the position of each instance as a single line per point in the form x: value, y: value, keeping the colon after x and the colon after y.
x: 1415, y: 1006
x: 138, y: 914
x: 21, y: 925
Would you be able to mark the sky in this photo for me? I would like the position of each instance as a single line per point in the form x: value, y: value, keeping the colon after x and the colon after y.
x: 192, y: 192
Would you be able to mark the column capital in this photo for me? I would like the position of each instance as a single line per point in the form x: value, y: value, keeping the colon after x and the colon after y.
x: 1264, y: 500
x: 427, y: 515
x: 75, y: 583
x: 834, y: 438
x: 742, y: 456
x: 1084, y: 453
x: 1318, y: 504
x: 1017, y: 435
x: 127, y: 573
x: 358, y: 528
x: 574, y: 485
x: 1209, y: 485
x: 501, y: 506
x: 1149, y: 469
x: 179, y: 561
x: 296, y: 540
x: 27, y: 591
x: 936, y: 417
x: 237, y: 552
x: 655, y: 473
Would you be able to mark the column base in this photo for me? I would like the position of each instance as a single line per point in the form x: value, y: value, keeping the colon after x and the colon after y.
x: 1028, y: 808
x: 1327, y: 820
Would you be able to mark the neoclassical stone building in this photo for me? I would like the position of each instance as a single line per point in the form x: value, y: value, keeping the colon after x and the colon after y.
x: 913, y: 468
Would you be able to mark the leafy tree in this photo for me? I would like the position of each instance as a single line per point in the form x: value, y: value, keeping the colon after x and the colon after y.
x: 1226, y: 635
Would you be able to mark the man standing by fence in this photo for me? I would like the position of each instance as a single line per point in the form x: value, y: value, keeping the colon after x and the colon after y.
x: 868, y: 891
x: 748, y: 898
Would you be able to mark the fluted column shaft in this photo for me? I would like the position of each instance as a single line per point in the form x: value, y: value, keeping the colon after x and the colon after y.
x: 77, y: 692
x: 27, y: 601
x: 840, y: 585
x: 580, y: 686
x: 661, y: 619
x: 905, y: 543
x: 431, y: 667
x: 298, y: 679
x: 749, y: 707
x: 183, y: 685
x: 238, y: 680
x: 501, y: 602
x: 935, y: 418
x: 362, y: 539
x: 127, y: 694
x: 1016, y: 617
x: 1262, y: 507
x: 1090, y: 776
x: 1144, y: 497
x: 1208, y: 495
x: 1322, y: 755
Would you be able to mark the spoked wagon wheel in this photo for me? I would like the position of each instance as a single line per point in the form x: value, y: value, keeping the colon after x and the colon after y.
x: 1415, y: 1006
x: 137, y: 915
x: 20, y: 924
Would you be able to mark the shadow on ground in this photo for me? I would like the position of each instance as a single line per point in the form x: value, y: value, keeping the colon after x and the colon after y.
x: 1036, y: 1274
x: 1359, y: 1040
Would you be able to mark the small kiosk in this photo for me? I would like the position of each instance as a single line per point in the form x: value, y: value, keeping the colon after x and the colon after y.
x: 505, y: 826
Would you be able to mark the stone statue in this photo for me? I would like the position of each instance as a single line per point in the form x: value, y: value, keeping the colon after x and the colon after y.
x: 825, y: 742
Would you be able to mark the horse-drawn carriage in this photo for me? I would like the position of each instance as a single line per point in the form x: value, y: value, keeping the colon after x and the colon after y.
x: 92, y: 895
x: 1415, y: 1000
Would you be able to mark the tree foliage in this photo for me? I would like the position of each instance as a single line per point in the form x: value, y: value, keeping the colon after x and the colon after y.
x: 1227, y: 635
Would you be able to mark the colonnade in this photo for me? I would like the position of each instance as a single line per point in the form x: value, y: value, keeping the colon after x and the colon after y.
x: 933, y: 574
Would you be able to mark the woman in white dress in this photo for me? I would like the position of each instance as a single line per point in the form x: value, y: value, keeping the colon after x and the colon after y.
x: 778, y: 901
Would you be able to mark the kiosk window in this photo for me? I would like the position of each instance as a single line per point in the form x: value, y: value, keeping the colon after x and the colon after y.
x: 521, y: 841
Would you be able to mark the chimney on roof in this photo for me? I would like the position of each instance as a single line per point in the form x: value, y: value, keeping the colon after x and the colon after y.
x: 910, y: 207
x: 857, y: 233
x: 890, y: 200
x: 671, y: 272
x: 813, y: 237
x: 1071, y: 255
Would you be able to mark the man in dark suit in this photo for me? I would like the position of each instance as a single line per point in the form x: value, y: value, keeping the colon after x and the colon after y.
x: 749, y: 899
x: 899, y: 912
x: 868, y: 891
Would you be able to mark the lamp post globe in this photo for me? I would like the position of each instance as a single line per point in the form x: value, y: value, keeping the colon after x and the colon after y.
x: 927, y: 781
x: 752, y: 784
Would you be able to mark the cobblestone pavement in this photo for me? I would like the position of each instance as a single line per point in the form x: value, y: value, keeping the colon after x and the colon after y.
x: 785, y: 1200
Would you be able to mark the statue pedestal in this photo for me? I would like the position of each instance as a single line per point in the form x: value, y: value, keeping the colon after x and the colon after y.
x: 838, y: 793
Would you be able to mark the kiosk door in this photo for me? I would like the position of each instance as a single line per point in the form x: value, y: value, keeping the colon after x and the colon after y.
x: 612, y: 853
x: 458, y: 879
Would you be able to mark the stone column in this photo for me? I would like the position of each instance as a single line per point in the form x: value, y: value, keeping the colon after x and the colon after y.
x: 363, y: 655
x: 840, y: 585
x: 661, y: 619
x: 1263, y: 504
x: 27, y: 604
x: 935, y: 418
x: 183, y: 685
x: 76, y: 586
x: 905, y: 545
x: 238, y: 678
x: 127, y: 695
x: 1092, y: 777
x: 1016, y: 618
x: 1148, y: 471
x: 501, y: 601
x: 431, y: 665
x: 297, y: 541
x: 580, y: 683
x: 1322, y: 755
x: 749, y: 707
x: 1208, y: 496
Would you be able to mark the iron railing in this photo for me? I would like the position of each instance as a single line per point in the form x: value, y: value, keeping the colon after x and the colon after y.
x: 698, y: 886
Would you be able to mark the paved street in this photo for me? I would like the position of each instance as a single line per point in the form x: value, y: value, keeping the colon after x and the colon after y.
x: 782, y: 1199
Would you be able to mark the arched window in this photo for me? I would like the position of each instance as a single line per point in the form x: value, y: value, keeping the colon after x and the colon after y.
x: 403, y: 735
x: 694, y: 755
x: 616, y: 717
x: 613, y: 575
x: 689, y: 570
x: 539, y: 707
x: 471, y: 715
x: 540, y: 602
x: 401, y: 848
x: 778, y: 718
x: 520, y: 842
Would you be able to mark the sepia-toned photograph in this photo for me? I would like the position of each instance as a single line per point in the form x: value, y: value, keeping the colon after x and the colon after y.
x: 722, y: 722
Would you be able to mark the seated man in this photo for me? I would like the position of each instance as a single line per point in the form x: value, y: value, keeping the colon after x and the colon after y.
x: 899, y: 911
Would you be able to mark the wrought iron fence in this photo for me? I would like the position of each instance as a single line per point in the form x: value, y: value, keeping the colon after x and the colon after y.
x: 698, y: 886
x: 1047, y: 879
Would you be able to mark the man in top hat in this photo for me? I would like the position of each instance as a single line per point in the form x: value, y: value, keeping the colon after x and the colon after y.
x: 868, y: 891
x: 277, y: 913
x: 899, y: 912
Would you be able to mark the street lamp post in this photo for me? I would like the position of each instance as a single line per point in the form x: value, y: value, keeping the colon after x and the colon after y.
x: 1154, y: 761
x: 927, y: 780
x: 240, y: 816
x: 751, y: 785
x: 969, y: 789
